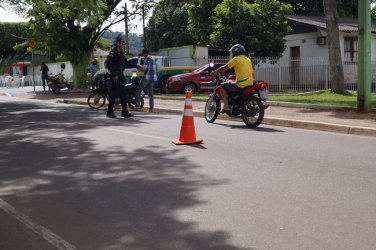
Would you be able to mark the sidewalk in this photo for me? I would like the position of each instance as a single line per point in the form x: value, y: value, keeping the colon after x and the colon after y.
x: 340, y: 120
x: 323, y: 118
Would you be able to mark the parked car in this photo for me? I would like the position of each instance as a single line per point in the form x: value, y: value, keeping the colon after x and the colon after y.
x: 164, y: 71
x: 199, y: 80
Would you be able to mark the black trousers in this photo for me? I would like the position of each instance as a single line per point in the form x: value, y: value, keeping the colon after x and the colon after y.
x: 117, y: 90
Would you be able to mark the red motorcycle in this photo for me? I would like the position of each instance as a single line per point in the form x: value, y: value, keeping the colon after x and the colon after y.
x: 249, y: 104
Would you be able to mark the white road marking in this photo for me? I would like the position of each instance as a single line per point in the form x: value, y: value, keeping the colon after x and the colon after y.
x: 139, y: 134
x: 49, y: 236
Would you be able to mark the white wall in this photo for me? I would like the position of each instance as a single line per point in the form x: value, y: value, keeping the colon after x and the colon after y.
x: 54, y: 69
x: 200, y: 56
x: 180, y: 56
x: 307, y: 44
x: 309, y: 48
x: 373, y: 51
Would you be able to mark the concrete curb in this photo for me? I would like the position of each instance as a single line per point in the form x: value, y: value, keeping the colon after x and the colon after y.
x: 321, y: 126
x: 303, y: 124
x: 5, y: 94
x: 279, y: 104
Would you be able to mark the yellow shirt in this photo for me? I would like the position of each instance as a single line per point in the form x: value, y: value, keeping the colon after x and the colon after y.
x: 243, y: 70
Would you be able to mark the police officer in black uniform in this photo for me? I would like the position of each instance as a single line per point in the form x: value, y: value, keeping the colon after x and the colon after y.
x: 116, y: 63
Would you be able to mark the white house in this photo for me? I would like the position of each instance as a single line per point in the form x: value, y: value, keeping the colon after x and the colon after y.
x: 304, y: 64
x: 308, y: 38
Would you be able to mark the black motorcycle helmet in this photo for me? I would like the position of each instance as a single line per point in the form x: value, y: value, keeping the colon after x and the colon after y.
x: 237, y: 50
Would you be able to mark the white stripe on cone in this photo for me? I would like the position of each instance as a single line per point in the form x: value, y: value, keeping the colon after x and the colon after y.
x: 188, y: 101
x: 188, y: 112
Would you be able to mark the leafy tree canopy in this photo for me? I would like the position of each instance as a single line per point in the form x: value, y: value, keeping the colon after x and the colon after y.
x: 168, y: 25
x: 12, y: 34
x: 72, y: 28
x: 200, y: 21
x: 345, y: 8
x: 260, y: 26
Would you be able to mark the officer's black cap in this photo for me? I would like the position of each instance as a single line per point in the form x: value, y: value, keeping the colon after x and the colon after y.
x: 119, y: 39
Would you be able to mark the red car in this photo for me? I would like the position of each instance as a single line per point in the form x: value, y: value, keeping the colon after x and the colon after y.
x: 200, y: 79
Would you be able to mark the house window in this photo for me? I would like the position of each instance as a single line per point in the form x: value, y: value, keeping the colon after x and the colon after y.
x: 351, y: 49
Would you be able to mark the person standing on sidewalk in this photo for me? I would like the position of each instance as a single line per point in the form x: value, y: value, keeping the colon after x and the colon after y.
x: 44, y: 68
x: 116, y: 63
x: 92, y: 70
x: 147, y: 81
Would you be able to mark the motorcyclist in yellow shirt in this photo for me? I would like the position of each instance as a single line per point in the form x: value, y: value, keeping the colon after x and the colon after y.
x: 243, y: 72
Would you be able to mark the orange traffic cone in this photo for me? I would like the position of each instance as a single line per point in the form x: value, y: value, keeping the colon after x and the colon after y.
x: 187, y: 131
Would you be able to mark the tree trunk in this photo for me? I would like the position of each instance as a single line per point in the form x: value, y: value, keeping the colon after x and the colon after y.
x: 335, y: 60
x: 80, y: 70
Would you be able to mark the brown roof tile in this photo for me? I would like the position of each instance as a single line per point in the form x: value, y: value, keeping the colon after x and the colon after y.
x: 345, y: 24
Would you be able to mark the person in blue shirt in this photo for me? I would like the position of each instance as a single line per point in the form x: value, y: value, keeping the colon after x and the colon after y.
x: 92, y: 70
x: 147, y: 81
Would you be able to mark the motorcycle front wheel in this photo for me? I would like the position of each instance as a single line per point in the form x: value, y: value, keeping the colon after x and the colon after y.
x: 96, y: 100
x: 55, y: 89
x: 212, y: 108
x: 253, y: 112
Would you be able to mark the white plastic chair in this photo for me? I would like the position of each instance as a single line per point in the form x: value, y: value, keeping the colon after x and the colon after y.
x: 16, y: 81
x: 38, y: 80
x: 26, y: 81
x: 2, y: 81
x: 8, y: 81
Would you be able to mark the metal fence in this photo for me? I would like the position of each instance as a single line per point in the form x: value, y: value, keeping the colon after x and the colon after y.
x: 301, y: 74
x: 218, y: 59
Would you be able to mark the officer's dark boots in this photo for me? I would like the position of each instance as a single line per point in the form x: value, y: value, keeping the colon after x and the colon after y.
x: 125, y: 113
x: 111, y: 115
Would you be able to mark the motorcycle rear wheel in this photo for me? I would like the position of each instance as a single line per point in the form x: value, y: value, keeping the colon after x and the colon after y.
x: 96, y: 100
x: 55, y: 89
x: 253, y: 112
x: 212, y: 108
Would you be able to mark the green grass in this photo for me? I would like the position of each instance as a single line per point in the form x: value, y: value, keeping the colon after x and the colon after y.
x: 322, y: 98
x: 326, y: 98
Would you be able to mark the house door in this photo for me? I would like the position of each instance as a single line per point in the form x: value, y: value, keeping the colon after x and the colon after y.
x: 295, y: 65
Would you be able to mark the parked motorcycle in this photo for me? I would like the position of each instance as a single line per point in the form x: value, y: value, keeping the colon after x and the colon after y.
x: 249, y: 104
x: 58, y: 82
x: 98, y: 97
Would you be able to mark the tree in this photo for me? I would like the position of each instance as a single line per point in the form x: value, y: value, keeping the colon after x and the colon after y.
x: 335, y: 60
x: 10, y: 35
x: 14, y: 3
x: 373, y: 13
x: 72, y: 28
x: 260, y: 26
x: 346, y: 8
x: 305, y: 7
x: 200, y: 21
x: 167, y: 26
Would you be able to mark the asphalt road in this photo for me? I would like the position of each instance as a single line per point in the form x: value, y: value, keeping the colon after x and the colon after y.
x: 70, y: 178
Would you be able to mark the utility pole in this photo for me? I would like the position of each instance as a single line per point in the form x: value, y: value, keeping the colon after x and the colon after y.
x: 364, y: 56
x: 32, y: 65
x: 126, y: 30
x: 143, y: 23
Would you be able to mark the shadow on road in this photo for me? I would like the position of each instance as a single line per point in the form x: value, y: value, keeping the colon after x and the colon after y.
x: 99, y: 198
x: 243, y: 127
